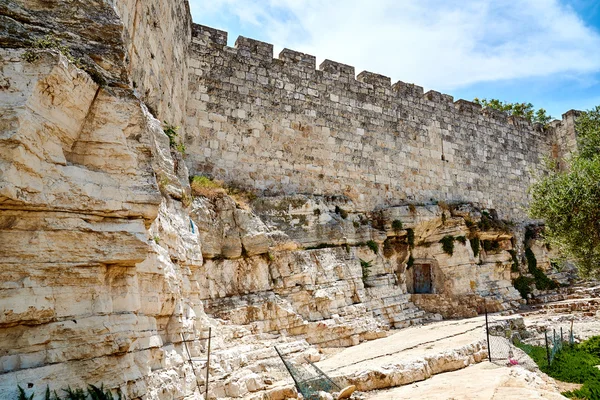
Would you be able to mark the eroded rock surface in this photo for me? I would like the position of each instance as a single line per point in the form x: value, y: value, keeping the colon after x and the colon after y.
x: 109, y: 268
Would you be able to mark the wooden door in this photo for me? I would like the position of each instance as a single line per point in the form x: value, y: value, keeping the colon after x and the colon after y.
x: 422, y: 278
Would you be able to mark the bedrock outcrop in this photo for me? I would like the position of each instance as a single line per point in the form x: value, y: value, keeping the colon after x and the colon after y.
x: 85, y: 291
x: 111, y: 270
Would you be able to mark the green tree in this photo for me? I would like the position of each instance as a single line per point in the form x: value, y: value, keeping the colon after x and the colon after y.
x: 523, y: 110
x: 569, y: 200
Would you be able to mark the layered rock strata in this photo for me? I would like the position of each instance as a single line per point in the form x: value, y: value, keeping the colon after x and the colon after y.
x: 111, y: 271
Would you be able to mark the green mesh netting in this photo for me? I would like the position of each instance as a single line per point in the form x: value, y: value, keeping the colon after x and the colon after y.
x: 309, y: 383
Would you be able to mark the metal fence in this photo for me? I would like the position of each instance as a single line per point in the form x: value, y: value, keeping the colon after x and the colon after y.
x: 510, y: 343
x: 555, y: 343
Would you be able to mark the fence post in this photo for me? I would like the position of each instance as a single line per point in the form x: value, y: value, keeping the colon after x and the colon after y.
x: 208, y: 362
x: 487, y: 332
x: 561, y: 335
x: 571, y: 339
x: 547, y: 348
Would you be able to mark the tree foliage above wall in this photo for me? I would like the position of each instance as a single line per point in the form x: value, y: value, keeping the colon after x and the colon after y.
x: 524, y: 110
x: 569, y: 200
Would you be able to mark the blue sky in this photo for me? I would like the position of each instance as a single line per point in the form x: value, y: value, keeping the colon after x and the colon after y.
x: 546, y: 52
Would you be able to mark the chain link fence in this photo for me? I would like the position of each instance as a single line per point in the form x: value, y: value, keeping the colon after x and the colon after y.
x: 511, y: 343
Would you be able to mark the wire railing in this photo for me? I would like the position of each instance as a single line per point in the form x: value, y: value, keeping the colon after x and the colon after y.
x: 506, y: 341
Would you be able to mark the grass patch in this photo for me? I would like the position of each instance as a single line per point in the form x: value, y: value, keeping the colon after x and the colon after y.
x: 171, y: 132
x: 575, y: 364
x: 469, y: 223
x: 212, y: 188
x: 448, y: 244
x: 204, y: 186
x: 491, y: 245
x: 491, y: 222
x: 542, y: 282
x: 373, y: 246
x: 343, y: 213
x: 410, y: 237
x: 410, y: 262
x: 475, y: 245
x: 523, y: 285
x: 366, y: 269
x: 592, y: 346
x: 397, y: 225
x: 51, y: 42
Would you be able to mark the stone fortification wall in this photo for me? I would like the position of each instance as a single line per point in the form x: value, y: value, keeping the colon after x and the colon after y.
x: 157, y: 39
x: 566, y: 138
x: 282, y: 126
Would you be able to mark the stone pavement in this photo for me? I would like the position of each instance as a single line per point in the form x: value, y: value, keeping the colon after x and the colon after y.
x: 410, y: 355
x: 484, y: 381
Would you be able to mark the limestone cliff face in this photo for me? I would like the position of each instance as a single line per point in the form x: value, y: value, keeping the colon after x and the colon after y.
x: 84, y: 292
x: 108, y: 264
x: 87, y: 293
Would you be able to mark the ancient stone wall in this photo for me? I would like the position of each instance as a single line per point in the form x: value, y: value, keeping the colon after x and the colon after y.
x: 566, y: 138
x: 282, y: 126
x: 106, y: 264
x: 157, y: 40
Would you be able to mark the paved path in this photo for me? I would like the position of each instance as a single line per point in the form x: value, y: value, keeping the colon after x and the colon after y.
x: 415, y: 342
x: 484, y: 381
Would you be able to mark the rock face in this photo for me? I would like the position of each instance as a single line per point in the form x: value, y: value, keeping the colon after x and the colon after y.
x: 84, y: 290
x: 95, y: 253
x: 110, y: 271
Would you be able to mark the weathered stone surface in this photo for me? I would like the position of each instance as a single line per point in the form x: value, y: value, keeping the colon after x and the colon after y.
x: 60, y: 131
x: 90, y: 30
x: 281, y: 127
x: 228, y: 230
x: 86, y: 287
x: 156, y: 40
x: 108, y: 264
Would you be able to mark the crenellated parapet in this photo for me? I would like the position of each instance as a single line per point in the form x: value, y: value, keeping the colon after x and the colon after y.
x: 210, y: 36
x: 284, y: 125
x: 263, y: 52
x: 410, y: 89
x: 374, y: 79
x: 298, y: 59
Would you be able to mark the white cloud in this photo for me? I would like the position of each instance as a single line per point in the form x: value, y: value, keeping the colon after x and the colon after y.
x: 440, y: 44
